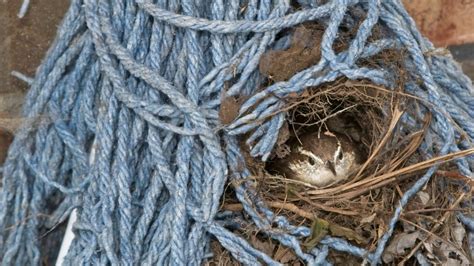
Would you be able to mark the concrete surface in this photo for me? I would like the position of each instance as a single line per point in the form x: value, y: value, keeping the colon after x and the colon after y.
x: 445, y: 22
x: 23, y: 42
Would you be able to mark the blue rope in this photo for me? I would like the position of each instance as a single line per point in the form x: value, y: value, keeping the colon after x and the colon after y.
x: 24, y: 8
x: 142, y: 81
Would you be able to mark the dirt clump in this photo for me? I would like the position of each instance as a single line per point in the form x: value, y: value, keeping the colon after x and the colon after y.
x: 304, y: 51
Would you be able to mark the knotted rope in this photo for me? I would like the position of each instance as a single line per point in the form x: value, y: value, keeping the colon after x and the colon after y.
x: 141, y: 81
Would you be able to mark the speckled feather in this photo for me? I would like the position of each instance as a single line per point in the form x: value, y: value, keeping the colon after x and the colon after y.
x: 320, y: 159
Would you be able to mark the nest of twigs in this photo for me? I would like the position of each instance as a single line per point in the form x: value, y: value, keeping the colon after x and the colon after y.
x: 360, y: 208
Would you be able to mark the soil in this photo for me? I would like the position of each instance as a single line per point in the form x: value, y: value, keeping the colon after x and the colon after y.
x: 303, y: 53
x: 25, y: 41
x: 230, y: 108
x: 464, y: 54
x: 23, y: 44
x: 445, y: 22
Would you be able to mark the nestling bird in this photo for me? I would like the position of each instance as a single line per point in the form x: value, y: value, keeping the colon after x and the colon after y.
x: 320, y: 160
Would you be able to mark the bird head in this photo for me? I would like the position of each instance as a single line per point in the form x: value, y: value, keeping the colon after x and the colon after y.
x: 323, y: 160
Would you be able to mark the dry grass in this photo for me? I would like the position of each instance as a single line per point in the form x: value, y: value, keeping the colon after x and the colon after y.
x: 362, y: 206
x: 360, y: 209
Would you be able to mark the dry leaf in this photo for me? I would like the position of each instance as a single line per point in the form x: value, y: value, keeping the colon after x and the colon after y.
x: 264, y: 246
x: 220, y: 256
x: 381, y: 228
x: 458, y: 232
x: 368, y: 220
x: 319, y: 229
x: 424, y: 197
x: 399, y: 244
x: 407, y: 227
x: 339, y: 231
x: 284, y: 255
x: 452, y: 256
x: 429, y: 248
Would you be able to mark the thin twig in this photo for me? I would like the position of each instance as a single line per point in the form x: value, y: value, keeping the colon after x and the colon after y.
x: 435, y: 227
x: 395, y: 118
x: 277, y: 205
x: 326, y: 208
x: 328, y: 117
x: 430, y: 233
x: 435, y: 210
x: 403, y: 171
x: 292, y: 208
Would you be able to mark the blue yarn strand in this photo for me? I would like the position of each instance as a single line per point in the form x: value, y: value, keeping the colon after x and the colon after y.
x: 140, y: 82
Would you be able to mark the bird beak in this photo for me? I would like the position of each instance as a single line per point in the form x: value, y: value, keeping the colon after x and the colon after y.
x: 330, y: 165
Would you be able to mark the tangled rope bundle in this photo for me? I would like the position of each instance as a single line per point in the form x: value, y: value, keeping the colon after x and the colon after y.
x: 138, y: 83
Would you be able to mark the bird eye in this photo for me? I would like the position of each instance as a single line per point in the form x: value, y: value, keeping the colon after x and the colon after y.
x: 311, y: 161
x: 340, y: 156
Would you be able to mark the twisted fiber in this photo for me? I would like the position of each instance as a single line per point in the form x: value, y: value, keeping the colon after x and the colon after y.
x: 222, y: 26
x: 137, y: 85
x: 71, y: 28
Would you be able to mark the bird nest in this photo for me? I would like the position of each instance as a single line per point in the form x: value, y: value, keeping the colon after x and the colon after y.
x: 360, y: 207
